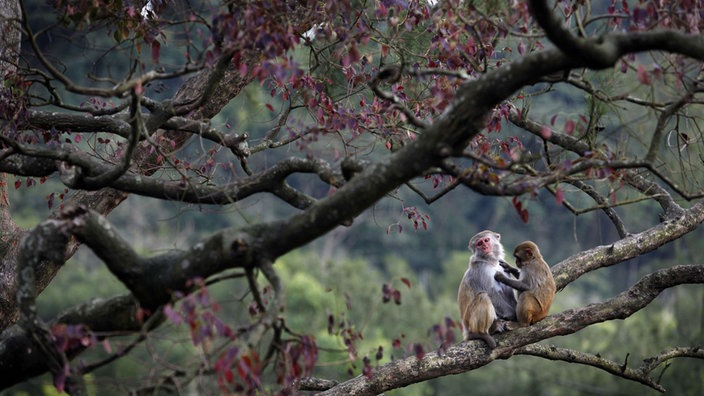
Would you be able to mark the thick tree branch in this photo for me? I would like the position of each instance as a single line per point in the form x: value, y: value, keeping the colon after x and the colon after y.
x: 44, y: 243
x: 571, y: 268
x: 468, y: 356
x: 596, y: 54
x: 114, y: 316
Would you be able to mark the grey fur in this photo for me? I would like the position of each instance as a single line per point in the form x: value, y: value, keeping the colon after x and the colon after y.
x: 480, y: 276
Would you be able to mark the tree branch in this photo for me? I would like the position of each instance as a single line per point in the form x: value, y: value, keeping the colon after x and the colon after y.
x: 467, y: 356
x: 627, y: 248
x: 594, y: 53
x: 640, y: 374
x: 46, y: 242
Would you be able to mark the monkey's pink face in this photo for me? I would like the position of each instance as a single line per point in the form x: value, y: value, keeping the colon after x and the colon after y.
x: 484, y: 244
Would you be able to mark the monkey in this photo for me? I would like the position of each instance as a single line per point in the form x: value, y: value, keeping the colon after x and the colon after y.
x: 535, y: 284
x: 485, y: 304
x: 478, y: 318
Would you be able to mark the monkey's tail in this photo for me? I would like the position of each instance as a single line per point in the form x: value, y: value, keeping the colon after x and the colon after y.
x: 490, y: 341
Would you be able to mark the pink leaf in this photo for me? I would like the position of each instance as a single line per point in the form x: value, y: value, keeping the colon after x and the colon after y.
x: 569, y: 127
x: 559, y: 196
x: 138, y: 87
x: 546, y: 132
x: 643, y: 75
x: 106, y: 346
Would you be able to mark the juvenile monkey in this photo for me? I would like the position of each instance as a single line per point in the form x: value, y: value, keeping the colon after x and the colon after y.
x: 485, y: 304
x: 535, y: 285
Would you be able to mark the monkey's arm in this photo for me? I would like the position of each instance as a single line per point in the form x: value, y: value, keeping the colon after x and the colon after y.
x: 514, y: 283
x: 511, y: 270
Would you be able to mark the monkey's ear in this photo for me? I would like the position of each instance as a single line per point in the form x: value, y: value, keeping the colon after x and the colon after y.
x: 529, y: 253
x: 498, y: 236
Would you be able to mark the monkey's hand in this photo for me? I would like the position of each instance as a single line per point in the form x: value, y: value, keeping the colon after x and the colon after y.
x: 508, y: 269
x: 514, y: 283
x: 500, y: 277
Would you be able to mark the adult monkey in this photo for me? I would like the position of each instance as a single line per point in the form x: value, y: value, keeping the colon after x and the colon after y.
x: 486, y: 305
x: 535, y: 284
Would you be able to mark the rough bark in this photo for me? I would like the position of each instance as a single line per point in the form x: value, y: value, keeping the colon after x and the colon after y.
x: 9, y: 56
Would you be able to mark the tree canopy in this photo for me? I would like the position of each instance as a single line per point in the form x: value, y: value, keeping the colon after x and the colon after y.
x: 594, y: 104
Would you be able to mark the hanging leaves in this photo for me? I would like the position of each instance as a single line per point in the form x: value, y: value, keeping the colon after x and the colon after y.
x: 522, y: 212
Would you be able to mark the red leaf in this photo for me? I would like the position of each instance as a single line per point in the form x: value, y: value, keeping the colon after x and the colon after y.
x: 367, y: 370
x: 643, y: 75
x: 522, y: 212
x: 18, y: 184
x: 156, y: 46
x: 244, y: 367
x: 406, y: 282
x: 386, y: 291
x: 569, y: 127
x: 419, y: 351
x: 524, y: 215
x: 270, y: 107
x: 379, y: 353
x: 77, y: 138
x: 397, y: 296
x: 141, y: 314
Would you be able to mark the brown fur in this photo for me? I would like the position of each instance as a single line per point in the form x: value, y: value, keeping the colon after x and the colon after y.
x: 477, y: 318
x: 535, y: 285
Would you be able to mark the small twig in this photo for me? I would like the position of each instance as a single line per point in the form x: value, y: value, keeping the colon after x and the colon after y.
x: 572, y: 356
x: 392, y: 74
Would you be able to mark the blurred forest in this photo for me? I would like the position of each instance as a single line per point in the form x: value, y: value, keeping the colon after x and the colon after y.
x: 336, y: 282
x: 341, y: 276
